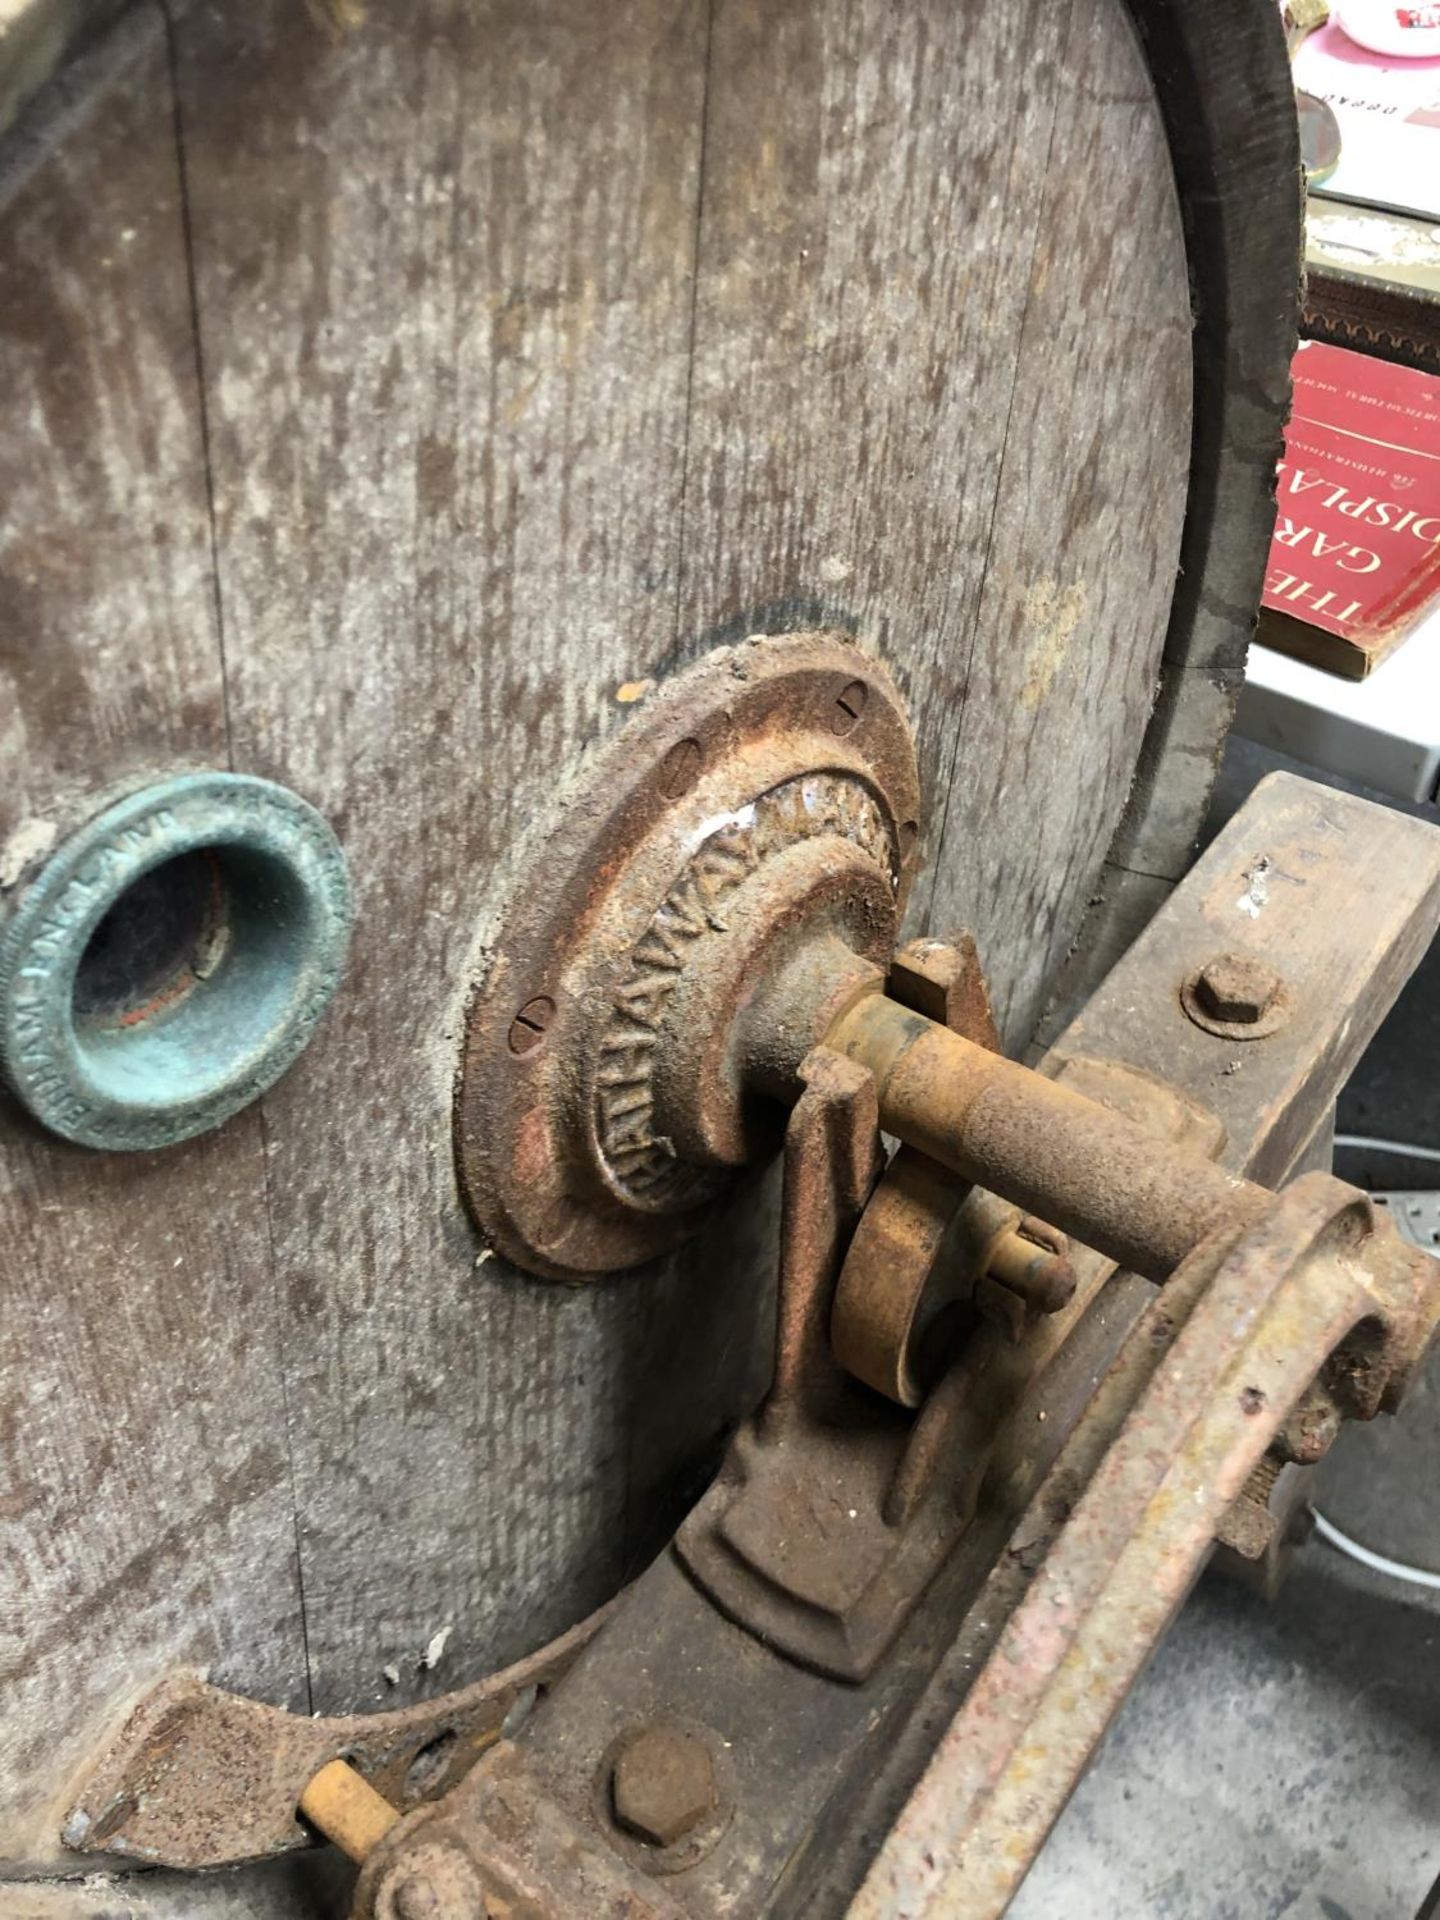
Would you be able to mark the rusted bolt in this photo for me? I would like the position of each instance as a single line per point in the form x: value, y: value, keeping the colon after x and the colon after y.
x: 1237, y: 987
x: 439, y: 1885
x: 1311, y: 1430
x: 849, y: 707
x: 680, y: 768
x: 416, y: 1899
x: 531, y: 1023
x: 662, y: 1785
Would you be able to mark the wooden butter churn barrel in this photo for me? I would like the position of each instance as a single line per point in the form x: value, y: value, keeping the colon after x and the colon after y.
x: 395, y: 397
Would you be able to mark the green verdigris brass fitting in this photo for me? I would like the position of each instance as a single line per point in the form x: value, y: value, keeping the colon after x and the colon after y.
x: 170, y: 959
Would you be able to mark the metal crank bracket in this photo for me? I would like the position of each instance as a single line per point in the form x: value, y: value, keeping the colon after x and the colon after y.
x: 836, y: 1504
x: 1241, y: 1335
x: 990, y: 1465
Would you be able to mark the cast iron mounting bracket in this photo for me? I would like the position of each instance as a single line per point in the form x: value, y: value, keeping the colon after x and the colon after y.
x: 993, y: 1458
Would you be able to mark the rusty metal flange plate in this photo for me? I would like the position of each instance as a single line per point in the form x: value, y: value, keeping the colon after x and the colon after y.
x: 769, y: 793
x: 197, y: 1777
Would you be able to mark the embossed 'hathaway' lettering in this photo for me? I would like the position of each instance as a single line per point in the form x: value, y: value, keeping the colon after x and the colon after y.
x: 639, y: 1163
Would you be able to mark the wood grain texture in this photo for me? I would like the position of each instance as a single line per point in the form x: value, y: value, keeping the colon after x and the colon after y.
x: 443, y: 262
x: 1222, y: 84
x: 144, y: 1482
x: 109, y: 660
x: 540, y: 347
x: 451, y: 520
x: 1223, y: 91
x: 1082, y: 560
x: 941, y: 285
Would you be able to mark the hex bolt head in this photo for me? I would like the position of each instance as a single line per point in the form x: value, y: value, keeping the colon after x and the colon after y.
x: 662, y: 1785
x: 1311, y: 1430
x: 1238, y: 988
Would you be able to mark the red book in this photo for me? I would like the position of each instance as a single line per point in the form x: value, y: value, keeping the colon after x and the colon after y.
x: 1355, y: 560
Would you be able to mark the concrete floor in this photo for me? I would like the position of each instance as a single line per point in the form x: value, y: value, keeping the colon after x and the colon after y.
x: 1284, y: 1758
x: 1277, y: 1759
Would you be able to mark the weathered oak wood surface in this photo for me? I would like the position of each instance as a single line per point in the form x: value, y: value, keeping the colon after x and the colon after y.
x: 145, y: 1477
x: 386, y: 389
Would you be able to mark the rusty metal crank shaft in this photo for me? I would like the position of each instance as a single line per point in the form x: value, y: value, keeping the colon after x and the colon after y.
x: 1094, y: 1174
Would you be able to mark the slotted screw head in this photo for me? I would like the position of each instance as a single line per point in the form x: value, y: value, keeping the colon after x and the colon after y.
x: 1237, y: 987
x: 531, y: 1023
x: 663, y: 1784
x: 849, y: 706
